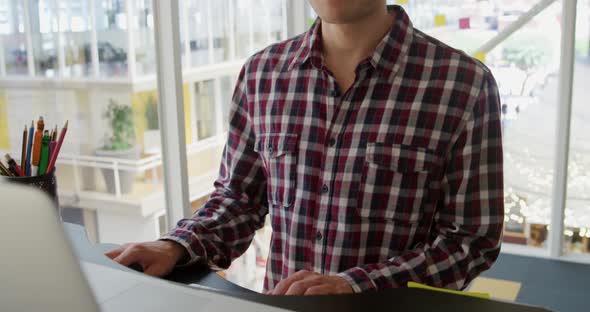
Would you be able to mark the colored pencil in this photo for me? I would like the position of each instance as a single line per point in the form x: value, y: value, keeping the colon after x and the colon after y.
x: 13, y: 166
x: 52, y: 142
x: 37, y: 146
x: 44, y: 161
x: 30, y: 149
x: 53, y: 158
x: 23, y: 157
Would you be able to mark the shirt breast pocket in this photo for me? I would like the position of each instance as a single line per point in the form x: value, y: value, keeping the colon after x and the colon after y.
x: 394, y: 182
x: 279, y: 157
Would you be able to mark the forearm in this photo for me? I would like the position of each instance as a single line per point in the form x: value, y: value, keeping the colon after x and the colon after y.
x: 447, y: 262
x: 221, y: 230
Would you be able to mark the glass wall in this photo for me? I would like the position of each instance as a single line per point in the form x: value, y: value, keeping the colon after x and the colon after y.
x: 205, y: 109
x: 220, y: 30
x: 75, y: 28
x: 145, y: 46
x: 227, y: 87
x: 266, y: 25
x: 243, y: 27
x: 44, y: 33
x: 94, y: 64
x: 115, y: 38
x: 577, y: 212
x: 198, y: 31
x: 13, y: 38
x: 113, y: 42
x: 525, y: 65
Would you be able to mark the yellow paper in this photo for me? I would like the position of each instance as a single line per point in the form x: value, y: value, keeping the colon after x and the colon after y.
x: 497, y: 288
x: 402, y: 1
x: 440, y: 20
x: 448, y: 291
x: 480, y: 56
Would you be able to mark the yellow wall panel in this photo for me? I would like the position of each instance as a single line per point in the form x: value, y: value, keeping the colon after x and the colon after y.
x: 187, y: 113
x: 4, y: 135
x: 138, y: 102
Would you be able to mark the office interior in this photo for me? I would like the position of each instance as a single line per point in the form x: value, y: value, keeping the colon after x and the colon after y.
x: 76, y: 60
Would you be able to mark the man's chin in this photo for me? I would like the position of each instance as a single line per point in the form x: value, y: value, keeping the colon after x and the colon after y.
x: 338, y: 20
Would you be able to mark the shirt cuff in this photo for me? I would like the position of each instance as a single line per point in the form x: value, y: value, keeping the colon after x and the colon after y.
x: 359, y: 279
x: 193, y: 246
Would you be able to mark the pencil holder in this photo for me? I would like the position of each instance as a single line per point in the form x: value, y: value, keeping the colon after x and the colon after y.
x: 46, y: 183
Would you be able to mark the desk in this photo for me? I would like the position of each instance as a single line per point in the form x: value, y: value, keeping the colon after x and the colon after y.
x: 393, y: 299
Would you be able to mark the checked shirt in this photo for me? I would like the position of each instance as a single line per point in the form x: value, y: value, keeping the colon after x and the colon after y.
x: 397, y: 179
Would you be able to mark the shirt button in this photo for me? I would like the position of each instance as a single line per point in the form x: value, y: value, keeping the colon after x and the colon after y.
x: 325, y: 189
x: 318, y: 236
x: 332, y: 142
x: 270, y: 149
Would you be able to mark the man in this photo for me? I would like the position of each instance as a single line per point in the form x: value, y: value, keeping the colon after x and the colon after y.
x: 376, y: 151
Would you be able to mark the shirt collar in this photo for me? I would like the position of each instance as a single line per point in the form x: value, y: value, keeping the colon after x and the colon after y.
x: 387, y: 58
x: 310, y: 46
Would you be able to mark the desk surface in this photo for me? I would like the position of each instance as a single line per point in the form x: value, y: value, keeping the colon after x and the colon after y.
x: 393, y: 299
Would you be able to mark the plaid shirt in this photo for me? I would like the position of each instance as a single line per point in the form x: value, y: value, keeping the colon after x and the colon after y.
x: 403, y: 183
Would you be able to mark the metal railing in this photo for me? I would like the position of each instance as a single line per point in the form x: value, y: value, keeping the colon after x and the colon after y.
x: 117, y: 165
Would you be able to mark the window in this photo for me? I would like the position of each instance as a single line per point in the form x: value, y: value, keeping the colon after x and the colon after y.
x: 198, y: 31
x: 44, y: 33
x: 577, y: 211
x: 13, y: 38
x: 525, y: 65
x: 205, y: 112
x: 227, y: 87
x: 220, y: 30
x: 75, y: 28
x: 112, y: 37
x: 243, y: 27
x: 145, y: 46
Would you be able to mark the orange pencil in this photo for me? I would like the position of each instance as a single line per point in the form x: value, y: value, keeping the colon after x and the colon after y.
x: 37, y: 146
x: 53, y: 158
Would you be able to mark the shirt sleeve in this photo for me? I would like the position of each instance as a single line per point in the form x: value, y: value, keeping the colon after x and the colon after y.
x: 467, y: 230
x: 224, y: 227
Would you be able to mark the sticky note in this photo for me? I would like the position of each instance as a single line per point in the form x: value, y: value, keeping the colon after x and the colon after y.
x: 497, y: 288
x: 440, y: 20
x: 464, y: 23
x: 455, y: 292
x: 480, y: 56
x: 402, y: 1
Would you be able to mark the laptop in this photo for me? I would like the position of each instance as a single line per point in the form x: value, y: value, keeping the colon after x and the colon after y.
x: 39, y: 270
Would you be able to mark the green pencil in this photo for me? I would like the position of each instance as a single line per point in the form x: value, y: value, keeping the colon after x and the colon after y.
x: 44, y: 161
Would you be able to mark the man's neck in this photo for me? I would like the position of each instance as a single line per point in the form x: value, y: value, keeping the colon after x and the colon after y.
x: 356, y: 41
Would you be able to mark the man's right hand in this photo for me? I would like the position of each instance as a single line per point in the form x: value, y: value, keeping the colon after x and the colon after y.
x: 156, y: 258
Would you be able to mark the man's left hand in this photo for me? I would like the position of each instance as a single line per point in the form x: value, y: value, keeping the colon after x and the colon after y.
x: 311, y: 283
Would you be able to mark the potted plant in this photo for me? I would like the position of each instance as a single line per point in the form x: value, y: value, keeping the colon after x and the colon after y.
x: 151, y: 136
x: 119, y: 143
